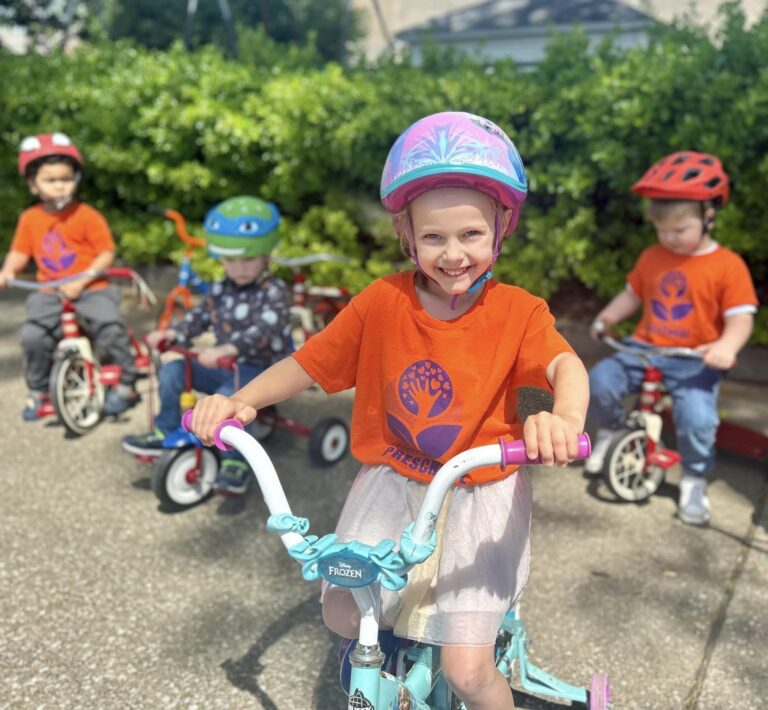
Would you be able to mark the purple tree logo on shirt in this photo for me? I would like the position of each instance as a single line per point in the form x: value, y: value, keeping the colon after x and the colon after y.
x: 425, y: 390
x: 673, y: 288
x: 57, y: 256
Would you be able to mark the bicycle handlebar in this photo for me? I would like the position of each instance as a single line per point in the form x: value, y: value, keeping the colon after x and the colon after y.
x: 227, y: 362
x: 298, y: 261
x: 230, y: 434
x: 145, y: 292
x: 672, y: 351
x: 180, y: 223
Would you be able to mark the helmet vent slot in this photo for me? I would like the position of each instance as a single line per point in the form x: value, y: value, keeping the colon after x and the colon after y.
x: 691, y: 173
x: 714, y: 182
x: 680, y: 159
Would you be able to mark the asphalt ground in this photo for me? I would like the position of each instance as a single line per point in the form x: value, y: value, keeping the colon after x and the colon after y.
x: 109, y: 602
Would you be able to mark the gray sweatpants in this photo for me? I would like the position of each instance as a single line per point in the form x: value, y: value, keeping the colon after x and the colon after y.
x: 98, y: 310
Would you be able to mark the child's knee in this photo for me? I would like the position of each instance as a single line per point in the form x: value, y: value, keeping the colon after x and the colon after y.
x: 468, y: 669
x: 340, y: 613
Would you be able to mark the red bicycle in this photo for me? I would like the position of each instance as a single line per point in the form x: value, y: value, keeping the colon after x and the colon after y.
x: 637, y: 459
x: 78, y: 380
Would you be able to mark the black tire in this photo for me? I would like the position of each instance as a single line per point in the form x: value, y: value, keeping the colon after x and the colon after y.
x: 76, y: 392
x: 170, y: 477
x: 625, y: 469
x: 328, y: 442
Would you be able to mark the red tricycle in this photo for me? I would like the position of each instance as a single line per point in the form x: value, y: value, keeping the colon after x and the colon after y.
x: 78, y: 380
x: 636, y: 460
x: 184, y: 471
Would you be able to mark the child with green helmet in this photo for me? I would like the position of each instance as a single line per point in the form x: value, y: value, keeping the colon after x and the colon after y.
x: 247, y: 311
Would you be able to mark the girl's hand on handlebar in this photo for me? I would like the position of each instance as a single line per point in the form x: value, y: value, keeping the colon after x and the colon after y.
x: 553, y: 437
x: 73, y: 290
x: 717, y: 355
x: 210, y: 411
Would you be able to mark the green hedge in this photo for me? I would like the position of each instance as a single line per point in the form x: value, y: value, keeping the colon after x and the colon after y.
x: 187, y: 130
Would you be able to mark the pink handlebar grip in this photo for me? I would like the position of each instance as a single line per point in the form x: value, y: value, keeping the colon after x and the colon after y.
x: 186, y: 421
x: 513, y: 451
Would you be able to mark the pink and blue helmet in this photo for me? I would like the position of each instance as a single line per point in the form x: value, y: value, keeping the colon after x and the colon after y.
x: 455, y: 149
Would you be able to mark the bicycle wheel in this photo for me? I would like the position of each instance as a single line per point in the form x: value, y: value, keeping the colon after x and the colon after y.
x: 328, y: 441
x: 182, y: 478
x: 599, y: 696
x: 626, y: 472
x: 76, y: 392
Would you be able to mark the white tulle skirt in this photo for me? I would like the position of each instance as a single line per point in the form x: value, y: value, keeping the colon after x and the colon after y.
x: 479, y: 569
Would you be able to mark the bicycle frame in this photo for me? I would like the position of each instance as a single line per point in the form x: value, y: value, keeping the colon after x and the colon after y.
x: 364, y: 569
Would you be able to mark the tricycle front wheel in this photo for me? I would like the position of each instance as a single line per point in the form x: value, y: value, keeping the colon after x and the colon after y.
x: 184, y: 477
x: 626, y: 471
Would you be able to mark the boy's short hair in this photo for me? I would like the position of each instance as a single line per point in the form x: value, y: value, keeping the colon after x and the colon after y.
x: 30, y: 172
x: 660, y: 210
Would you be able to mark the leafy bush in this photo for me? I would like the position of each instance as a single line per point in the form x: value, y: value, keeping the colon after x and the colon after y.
x: 187, y: 130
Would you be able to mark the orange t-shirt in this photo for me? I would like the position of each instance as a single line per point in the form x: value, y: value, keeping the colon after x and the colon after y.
x: 65, y: 243
x: 428, y: 389
x: 685, y: 298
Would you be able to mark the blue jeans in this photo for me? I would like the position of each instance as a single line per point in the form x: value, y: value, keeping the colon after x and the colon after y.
x: 171, y: 380
x: 694, y: 388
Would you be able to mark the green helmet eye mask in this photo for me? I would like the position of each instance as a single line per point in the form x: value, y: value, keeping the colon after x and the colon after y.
x: 242, y: 228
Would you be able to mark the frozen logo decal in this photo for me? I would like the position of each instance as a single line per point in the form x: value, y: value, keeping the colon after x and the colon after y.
x: 671, y: 303
x: 358, y: 701
x: 57, y: 256
x: 422, y: 415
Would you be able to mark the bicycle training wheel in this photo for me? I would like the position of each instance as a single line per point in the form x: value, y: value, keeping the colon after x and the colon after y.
x: 626, y: 471
x: 328, y: 441
x: 76, y: 392
x: 599, y: 696
x: 182, y: 478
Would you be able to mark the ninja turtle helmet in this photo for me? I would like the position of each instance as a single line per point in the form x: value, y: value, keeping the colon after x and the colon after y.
x: 241, y: 228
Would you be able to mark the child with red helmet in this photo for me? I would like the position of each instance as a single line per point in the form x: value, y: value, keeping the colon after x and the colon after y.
x: 694, y: 293
x: 438, y: 355
x: 65, y: 237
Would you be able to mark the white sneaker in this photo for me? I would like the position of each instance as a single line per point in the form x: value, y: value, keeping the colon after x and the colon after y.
x: 693, y: 507
x: 594, y: 464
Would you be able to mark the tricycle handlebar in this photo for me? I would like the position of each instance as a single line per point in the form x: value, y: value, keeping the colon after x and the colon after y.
x: 298, y: 261
x: 230, y: 434
x: 609, y: 340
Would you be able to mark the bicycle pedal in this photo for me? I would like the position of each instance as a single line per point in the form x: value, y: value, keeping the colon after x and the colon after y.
x: 664, y: 458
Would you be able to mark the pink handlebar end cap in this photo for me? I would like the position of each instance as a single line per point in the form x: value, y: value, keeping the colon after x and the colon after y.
x: 217, y: 434
x: 513, y: 451
x: 186, y: 420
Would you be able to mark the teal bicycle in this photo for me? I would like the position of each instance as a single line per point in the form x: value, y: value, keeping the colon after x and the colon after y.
x: 364, y: 569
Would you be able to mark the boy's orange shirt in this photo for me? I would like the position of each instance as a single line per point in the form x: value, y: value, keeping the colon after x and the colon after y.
x: 685, y: 298
x: 63, y: 243
x: 428, y: 389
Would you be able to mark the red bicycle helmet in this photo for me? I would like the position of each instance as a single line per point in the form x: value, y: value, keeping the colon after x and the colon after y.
x: 45, y: 144
x: 685, y: 175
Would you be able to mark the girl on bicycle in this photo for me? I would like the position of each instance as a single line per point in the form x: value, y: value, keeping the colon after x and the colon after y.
x: 437, y: 356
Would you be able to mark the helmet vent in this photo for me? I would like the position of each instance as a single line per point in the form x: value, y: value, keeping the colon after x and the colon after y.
x: 714, y: 182
x: 680, y: 159
x: 707, y: 161
x: 668, y: 175
x: 691, y: 173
